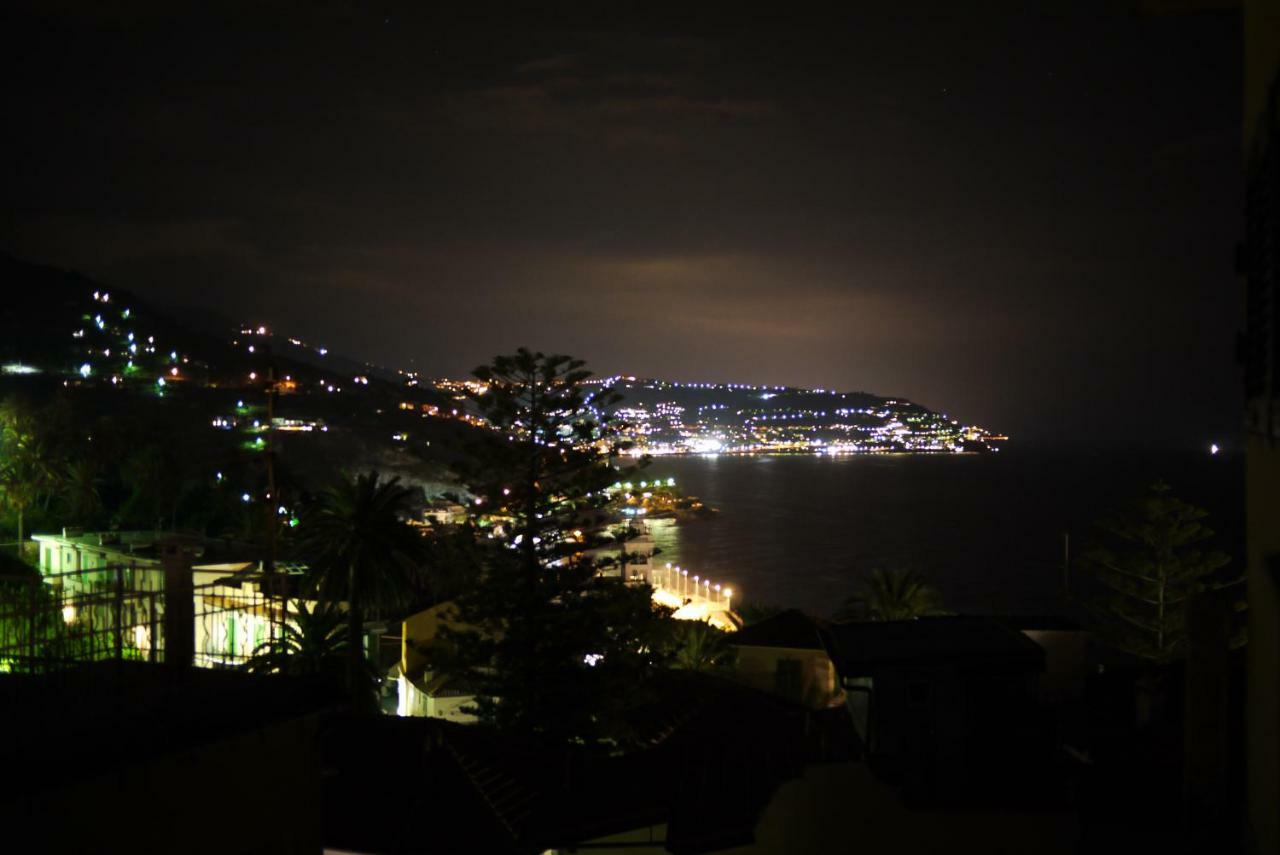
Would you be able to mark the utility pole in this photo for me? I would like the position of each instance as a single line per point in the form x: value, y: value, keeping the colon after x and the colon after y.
x: 273, y: 501
x: 179, y: 604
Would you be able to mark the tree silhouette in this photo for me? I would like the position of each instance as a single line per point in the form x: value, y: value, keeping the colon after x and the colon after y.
x: 558, y: 649
x: 754, y: 611
x: 360, y: 549
x: 891, y: 595
x: 27, y: 473
x: 699, y: 646
x: 1150, y: 560
x: 81, y: 491
x: 312, y: 642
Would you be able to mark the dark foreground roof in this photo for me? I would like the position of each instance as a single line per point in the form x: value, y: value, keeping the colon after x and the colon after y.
x: 953, y: 640
x: 1040, y: 623
x: 791, y: 629
x: 113, y: 715
x: 423, y: 785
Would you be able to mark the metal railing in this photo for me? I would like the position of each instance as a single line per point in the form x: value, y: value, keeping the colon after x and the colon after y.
x: 56, y: 620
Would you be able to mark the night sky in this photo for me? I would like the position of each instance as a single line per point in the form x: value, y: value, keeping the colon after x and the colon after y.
x: 1023, y: 214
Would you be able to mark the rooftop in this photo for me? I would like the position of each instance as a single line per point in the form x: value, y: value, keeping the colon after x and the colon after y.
x: 410, y: 785
x: 111, y: 715
x: 791, y: 629
x: 945, y: 641
x: 145, y: 545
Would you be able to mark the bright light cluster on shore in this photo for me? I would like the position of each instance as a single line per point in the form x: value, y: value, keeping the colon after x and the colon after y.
x: 717, y: 419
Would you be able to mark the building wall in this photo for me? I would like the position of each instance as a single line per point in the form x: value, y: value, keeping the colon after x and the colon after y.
x: 943, y: 717
x: 1263, y: 652
x: 58, y: 556
x: 1262, y: 63
x: 453, y: 708
x: 414, y: 702
x: 420, y: 632
x: 765, y: 668
x: 1066, y: 665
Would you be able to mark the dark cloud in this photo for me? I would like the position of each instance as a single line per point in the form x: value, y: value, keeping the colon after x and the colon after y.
x: 1020, y: 214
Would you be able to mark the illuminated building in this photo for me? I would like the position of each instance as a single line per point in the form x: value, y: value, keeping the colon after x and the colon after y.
x: 112, y: 587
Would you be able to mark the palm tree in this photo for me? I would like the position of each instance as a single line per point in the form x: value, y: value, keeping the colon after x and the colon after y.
x: 156, y: 478
x: 699, y: 646
x: 891, y: 595
x: 360, y: 549
x: 25, y: 475
x: 81, y: 491
x: 311, y: 642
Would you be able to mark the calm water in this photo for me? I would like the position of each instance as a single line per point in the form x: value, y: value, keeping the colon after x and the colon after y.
x: 986, y: 530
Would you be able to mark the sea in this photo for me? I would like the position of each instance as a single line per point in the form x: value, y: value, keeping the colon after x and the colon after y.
x: 996, y: 533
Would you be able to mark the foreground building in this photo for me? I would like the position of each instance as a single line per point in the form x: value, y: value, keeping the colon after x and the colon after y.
x: 948, y: 705
x: 128, y: 757
x: 785, y: 656
x: 111, y: 591
x: 1261, y: 262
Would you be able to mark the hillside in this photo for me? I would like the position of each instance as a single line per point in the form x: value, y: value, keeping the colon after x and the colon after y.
x: 665, y: 417
x: 99, y: 351
x: 106, y: 350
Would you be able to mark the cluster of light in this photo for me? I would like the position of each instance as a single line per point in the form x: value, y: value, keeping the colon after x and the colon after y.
x: 692, y: 597
x: 893, y: 426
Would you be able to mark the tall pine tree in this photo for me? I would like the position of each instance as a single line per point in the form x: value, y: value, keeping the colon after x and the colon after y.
x: 560, y: 652
x: 1150, y: 560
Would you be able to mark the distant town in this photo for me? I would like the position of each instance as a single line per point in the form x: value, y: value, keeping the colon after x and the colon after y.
x: 735, y: 418
x: 663, y: 417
